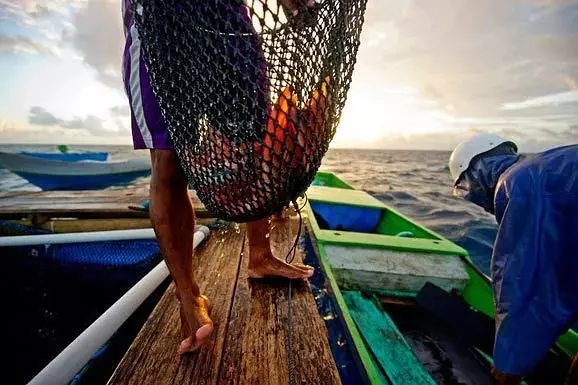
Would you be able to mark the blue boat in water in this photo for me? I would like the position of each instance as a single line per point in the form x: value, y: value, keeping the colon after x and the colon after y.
x: 69, y: 156
x: 66, y: 155
x: 58, y: 174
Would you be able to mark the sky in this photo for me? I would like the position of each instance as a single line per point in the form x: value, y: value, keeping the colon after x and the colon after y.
x: 429, y: 73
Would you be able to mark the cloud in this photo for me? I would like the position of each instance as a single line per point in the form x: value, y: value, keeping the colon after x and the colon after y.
x: 34, y: 26
x: 97, y: 36
x: 527, y: 140
x: 40, y: 117
x: 23, y: 44
x: 120, y: 111
x: 90, y: 122
x: 571, y: 82
x: 477, y: 54
x: 546, y: 100
x: 37, y: 12
x: 572, y: 133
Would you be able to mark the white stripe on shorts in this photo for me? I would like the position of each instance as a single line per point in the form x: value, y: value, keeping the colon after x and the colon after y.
x: 135, y: 89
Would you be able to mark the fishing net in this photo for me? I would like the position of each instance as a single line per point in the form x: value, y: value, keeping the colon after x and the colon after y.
x: 251, y: 92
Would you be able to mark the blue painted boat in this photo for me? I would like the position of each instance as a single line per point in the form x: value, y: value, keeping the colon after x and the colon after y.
x: 69, y: 156
x: 55, y: 174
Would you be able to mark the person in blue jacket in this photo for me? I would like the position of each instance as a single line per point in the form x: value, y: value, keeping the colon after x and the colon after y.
x: 534, y: 266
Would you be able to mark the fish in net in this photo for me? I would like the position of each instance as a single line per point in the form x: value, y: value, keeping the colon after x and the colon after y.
x: 251, y: 91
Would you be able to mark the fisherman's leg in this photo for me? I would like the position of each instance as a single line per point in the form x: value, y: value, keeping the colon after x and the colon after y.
x: 173, y: 218
x: 262, y: 262
x: 171, y: 210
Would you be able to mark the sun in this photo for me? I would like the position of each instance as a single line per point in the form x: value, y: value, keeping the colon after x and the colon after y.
x: 370, y: 115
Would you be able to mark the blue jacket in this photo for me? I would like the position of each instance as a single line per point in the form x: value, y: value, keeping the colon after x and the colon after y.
x: 534, y: 266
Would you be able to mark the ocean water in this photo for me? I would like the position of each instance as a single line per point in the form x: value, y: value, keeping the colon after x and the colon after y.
x: 417, y: 183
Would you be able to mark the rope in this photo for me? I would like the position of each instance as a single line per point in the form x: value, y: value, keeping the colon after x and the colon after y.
x: 290, y: 374
x: 289, y: 259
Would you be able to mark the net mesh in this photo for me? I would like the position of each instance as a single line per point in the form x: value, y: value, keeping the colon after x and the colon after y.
x: 251, y: 92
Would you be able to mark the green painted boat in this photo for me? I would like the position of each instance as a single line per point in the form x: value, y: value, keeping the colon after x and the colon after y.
x: 386, y: 273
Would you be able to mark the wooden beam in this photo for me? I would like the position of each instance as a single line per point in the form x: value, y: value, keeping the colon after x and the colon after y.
x: 81, y: 225
x: 153, y: 357
x: 250, y: 340
x: 258, y: 329
x: 386, y: 342
x: 40, y: 206
x: 381, y: 269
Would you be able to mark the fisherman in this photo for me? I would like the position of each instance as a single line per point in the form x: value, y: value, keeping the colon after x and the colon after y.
x: 171, y: 210
x: 534, y: 266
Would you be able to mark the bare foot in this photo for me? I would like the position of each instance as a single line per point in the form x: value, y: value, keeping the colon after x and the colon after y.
x: 195, y: 317
x: 267, y: 265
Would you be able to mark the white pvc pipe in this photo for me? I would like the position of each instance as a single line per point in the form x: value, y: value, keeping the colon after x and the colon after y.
x: 89, y: 236
x: 64, y: 367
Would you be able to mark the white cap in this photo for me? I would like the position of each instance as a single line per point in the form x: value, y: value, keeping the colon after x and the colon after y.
x: 470, y: 148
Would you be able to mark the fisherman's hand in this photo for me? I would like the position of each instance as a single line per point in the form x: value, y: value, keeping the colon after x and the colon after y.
x: 292, y: 7
x: 301, y: 12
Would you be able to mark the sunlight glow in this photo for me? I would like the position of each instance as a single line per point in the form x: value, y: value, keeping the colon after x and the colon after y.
x: 373, y: 115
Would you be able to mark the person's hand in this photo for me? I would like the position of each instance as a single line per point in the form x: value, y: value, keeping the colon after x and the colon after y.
x: 291, y: 7
x: 301, y: 12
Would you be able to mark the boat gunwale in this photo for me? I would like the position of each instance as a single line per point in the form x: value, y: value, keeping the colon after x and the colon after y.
x: 371, y: 371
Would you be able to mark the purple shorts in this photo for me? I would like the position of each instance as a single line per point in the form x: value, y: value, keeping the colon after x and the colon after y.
x: 149, y: 129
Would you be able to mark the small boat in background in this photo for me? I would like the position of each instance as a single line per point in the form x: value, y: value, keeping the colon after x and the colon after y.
x: 69, y: 156
x: 55, y: 174
x: 66, y: 155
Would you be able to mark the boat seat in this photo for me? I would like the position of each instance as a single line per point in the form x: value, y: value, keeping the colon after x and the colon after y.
x: 394, y: 271
x: 345, y: 210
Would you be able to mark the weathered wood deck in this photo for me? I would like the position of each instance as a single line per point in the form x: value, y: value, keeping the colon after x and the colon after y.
x: 249, y: 343
x: 42, y: 205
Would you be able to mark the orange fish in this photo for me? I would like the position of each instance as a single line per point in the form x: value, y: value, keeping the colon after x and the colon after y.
x: 317, y: 108
x: 288, y: 144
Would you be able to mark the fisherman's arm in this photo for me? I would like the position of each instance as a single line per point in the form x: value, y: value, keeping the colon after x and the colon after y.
x: 524, y: 278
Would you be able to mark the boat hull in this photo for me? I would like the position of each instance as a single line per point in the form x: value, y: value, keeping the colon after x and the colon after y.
x: 79, y: 182
x: 54, y: 174
x: 69, y: 156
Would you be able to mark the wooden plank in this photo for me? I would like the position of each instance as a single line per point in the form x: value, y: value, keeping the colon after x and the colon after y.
x: 386, y: 342
x: 82, y: 225
x: 85, y: 204
x: 153, y: 357
x: 126, y: 194
x: 258, y: 329
x: 365, y: 268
